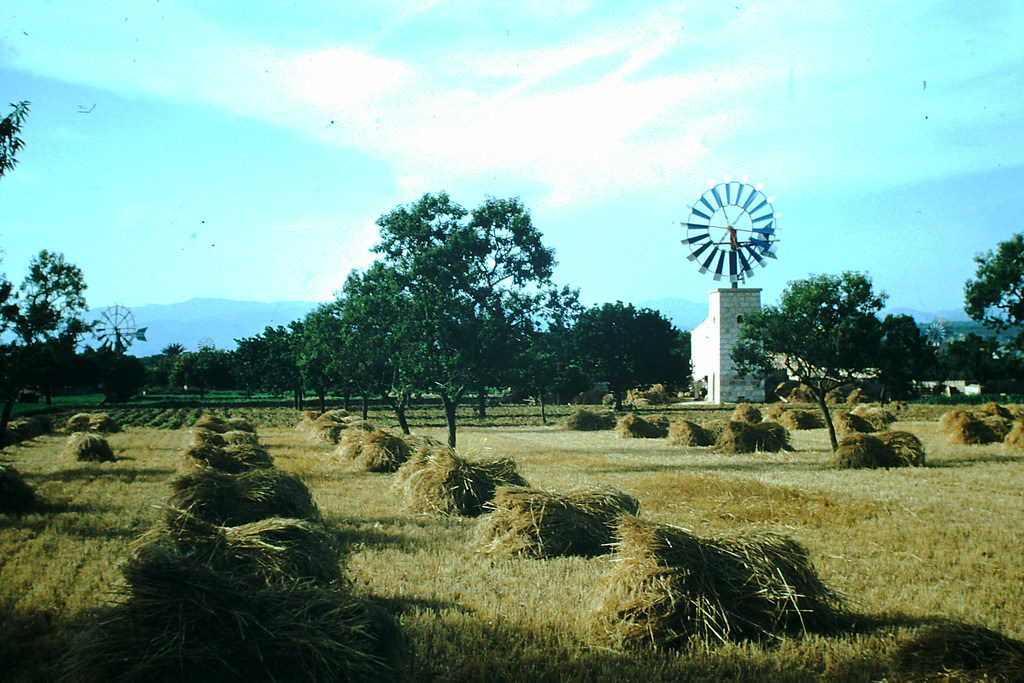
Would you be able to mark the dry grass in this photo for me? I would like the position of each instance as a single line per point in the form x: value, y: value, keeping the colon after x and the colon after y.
x: 632, y: 426
x: 668, y: 587
x: 960, y: 652
x: 908, y: 545
x: 536, y: 523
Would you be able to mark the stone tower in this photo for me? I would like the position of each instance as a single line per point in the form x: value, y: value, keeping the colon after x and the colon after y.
x: 712, y: 342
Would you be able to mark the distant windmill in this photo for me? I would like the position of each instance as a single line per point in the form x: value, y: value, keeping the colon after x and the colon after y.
x: 937, y: 332
x: 116, y: 329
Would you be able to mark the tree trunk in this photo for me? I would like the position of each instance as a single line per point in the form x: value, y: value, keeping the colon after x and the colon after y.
x: 297, y: 392
x: 403, y: 422
x: 321, y: 397
x: 828, y: 421
x: 347, y: 403
x: 481, y: 402
x: 5, y: 417
x: 543, y: 412
x: 365, y: 405
x: 450, y: 404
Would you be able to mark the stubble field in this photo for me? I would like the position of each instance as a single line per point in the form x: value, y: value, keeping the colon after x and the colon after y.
x: 906, y: 548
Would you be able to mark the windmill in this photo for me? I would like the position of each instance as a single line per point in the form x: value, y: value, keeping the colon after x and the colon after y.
x: 116, y: 329
x: 937, y: 331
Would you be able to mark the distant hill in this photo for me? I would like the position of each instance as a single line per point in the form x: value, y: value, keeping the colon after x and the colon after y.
x: 220, y: 320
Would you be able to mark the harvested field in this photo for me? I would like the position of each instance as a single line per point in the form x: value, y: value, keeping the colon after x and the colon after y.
x: 910, y: 547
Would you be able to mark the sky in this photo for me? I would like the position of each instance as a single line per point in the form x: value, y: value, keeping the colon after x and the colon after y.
x: 229, y: 149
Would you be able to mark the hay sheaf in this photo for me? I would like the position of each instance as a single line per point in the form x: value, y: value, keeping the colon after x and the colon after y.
x: 16, y: 496
x: 1015, y: 437
x: 798, y: 418
x: 232, y: 499
x: 24, y: 428
x: 884, y: 449
x: 92, y: 422
x: 686, y: 433
x: 744, y: 412
x: 440, y: 481
x: 668, y: 588
x: 372, y: 451
x: 181, y: 621
x: 851, y: 423
x: 656, y: 395
x: 586, y: 420
x: 743, y: 437
x: 993, y: 408
x: 265, y: 552
x: 88, y: 447
x: 968, y: 429
x: 960, y: 652
x: 632, y: 426
x: 229, y: 451
x: 879, y: 417
x: 536, y: 523
x: 329, y: 427
x: 223, y: 425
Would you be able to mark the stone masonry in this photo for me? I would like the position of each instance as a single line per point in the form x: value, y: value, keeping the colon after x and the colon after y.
x: 712, y: 343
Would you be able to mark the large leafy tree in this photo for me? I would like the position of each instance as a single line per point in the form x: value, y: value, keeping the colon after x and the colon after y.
x: 43, y: 321
x: 630, y: 347
x: 824, y: 332
x: 904, y: 356
x: 269, y: 361
x: 319, y: 351
x: 995, y: 296
x: 10, y: 143
x: 473, y: 281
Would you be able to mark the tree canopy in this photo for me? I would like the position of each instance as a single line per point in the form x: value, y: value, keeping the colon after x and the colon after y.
x: 10, y: 143
x: 824, y: 332
x: 995, y: 296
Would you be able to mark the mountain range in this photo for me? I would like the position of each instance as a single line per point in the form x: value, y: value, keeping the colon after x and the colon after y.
x: 221, y: 322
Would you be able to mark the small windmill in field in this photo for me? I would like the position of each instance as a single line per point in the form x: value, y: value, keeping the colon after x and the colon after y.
x: 116, y: 329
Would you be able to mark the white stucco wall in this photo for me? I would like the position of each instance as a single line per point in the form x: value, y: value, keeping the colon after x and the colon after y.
x: 711, y: 343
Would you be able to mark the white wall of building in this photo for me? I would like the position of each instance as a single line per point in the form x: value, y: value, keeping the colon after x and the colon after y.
x: 711, y: 344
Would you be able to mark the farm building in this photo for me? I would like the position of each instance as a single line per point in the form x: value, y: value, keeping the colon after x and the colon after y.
x: 712, y: 342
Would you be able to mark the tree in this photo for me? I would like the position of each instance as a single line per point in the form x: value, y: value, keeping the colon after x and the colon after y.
x: 10, y: 143
x: 825, y: 333
x: 268, y: 362
x: 202, y: 370
x: 472, y: 284
x: 904, y: 355
x: 43, y: 321
x: 319, y: 350
x: 630, y: 347
x: 977, y: 358
x: 995, y: 297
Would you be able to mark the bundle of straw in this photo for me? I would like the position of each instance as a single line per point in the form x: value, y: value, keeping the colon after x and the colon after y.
x: 632, y: 426
x: 536, y: 523
x: 744, y: 412
x: 268, y: 551
x: 229, y: 451
x: 876, y: 415
x: 372, y: 451
x: 587, y: 420
x: 743, y: 437
x: 440, y: 481
x: 92, y: 422
x: 1015, y: 437
x: 851, y: 423
x: 230, y: 499
x: 686, y: 433
x: 668, y: 587
x: 960, y: 652
x: 16, y: 496
x: 798, y: 418
x: 181, y: 621
x: 88, y: 447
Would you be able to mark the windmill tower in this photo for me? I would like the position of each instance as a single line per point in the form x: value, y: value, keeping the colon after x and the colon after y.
x: 731, y: 229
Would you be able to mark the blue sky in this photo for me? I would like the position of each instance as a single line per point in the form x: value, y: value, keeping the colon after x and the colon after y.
x: 244, y: 150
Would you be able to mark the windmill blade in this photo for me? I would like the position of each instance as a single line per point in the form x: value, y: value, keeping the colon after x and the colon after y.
x: 140, y: 334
